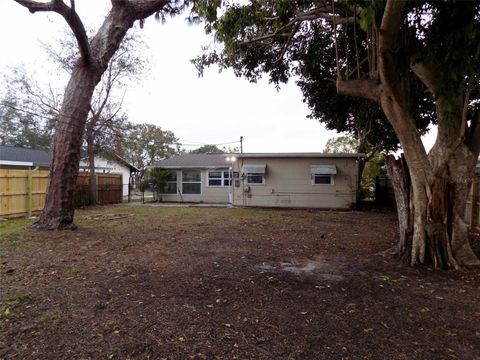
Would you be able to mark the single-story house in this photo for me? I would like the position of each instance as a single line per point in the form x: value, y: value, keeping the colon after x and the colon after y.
x: 306, y: 180
x: 23, y: 158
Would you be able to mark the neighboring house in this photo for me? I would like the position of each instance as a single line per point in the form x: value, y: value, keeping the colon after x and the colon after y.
x: 18, y: 157
x: 113, y: 164
x: 311, y: 180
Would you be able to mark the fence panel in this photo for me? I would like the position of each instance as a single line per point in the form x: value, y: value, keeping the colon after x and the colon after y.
x: 22, y: 191
x: 109, y: 188
x: 82, y: 190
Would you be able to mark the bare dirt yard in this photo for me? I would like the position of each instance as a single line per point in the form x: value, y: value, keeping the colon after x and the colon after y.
x: 142, y: 282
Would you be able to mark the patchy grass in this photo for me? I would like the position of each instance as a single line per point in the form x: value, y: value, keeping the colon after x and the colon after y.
x: 48, y: 318
x: 143, y: 282
x: 73, y: 272
x: 11, y: 230
x: 5, y: 313
x: 18, y: 299
x: 12, y: 301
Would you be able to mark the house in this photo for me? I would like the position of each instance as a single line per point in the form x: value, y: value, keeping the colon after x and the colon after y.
x: 113, y: 164
x: 22, y: 158
x: 306, y: 180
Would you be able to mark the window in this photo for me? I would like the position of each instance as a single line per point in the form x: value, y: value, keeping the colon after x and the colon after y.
x: 255, y: 179
x: 171, y: 187
x: 254, y: 174
x: 323, y: 174
x: 219, y: 178
x: 323, y: 180
x: 191, y: 182
x: 227, y: 180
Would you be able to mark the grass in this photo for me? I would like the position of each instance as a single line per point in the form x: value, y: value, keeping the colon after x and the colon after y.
x: 5, y: 313
x: 13, y: 228
x: 18, y: 299
x: 48, y: 318
x: 12, y: 302
x: 72, y: 272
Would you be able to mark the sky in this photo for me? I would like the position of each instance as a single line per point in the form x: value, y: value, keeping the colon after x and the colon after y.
x: 217, y: 108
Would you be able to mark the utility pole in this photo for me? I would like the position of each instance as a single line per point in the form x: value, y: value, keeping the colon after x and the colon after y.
x: 241, y: 144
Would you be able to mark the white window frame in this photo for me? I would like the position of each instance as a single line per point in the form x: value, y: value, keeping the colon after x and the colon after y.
x: 192, y: 182
x: 254, y: 174
x: 332, y: 179
x: 222, y: 178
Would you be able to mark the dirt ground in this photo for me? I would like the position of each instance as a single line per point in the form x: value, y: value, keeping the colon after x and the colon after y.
x: 139, y: 282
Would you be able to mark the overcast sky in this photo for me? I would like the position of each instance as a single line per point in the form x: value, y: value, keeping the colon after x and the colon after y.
x: 215, y: 109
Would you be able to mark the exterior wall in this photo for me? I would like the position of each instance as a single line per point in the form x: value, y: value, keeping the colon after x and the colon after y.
x: 209, y: 194
x: 112, y: 167
x: 288, y: 183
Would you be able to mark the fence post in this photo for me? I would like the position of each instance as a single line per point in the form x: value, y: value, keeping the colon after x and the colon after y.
x: 29, y: 192
x: 474, y: 203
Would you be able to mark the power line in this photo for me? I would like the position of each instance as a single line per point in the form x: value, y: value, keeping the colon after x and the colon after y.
x: 104, y: 132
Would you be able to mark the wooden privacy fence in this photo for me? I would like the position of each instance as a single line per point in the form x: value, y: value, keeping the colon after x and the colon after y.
x: 109, y: 189
x: 22, y: 191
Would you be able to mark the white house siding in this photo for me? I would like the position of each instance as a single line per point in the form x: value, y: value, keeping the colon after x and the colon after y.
x: 103, y: 165
x: 288, y: 183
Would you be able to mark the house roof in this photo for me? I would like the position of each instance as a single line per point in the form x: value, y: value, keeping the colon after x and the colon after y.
x: 13, y: 155
x: 301, y: 155
x: 112, y: 156
x: 194, y: 161
x: 206, y: 161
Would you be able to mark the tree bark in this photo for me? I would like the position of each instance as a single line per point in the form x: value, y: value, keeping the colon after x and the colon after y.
x: 398, y: 173
x: 431, y: 193
x: 59, y: 202
x: 91, y: 165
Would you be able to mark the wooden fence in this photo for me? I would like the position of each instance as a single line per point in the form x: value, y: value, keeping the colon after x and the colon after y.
x: 22, y: 191
x: 109, y: 189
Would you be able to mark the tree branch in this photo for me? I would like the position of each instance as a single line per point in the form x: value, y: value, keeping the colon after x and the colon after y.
x: 142, y: 9
x: 366, y: 89
x: 70, y: 16
x: 427, y: 75
x: 388, y: 43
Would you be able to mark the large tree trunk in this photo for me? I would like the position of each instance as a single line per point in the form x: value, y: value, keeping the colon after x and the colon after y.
x: 398, y: 173
x: 59, y: 202
x: 91, y: 165
x: 435, y: 214
x: 431, y: 200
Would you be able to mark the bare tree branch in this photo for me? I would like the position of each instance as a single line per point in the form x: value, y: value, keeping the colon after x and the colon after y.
x: 70, y: 16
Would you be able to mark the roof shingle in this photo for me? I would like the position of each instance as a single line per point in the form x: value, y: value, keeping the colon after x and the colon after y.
x: 13, y: 153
